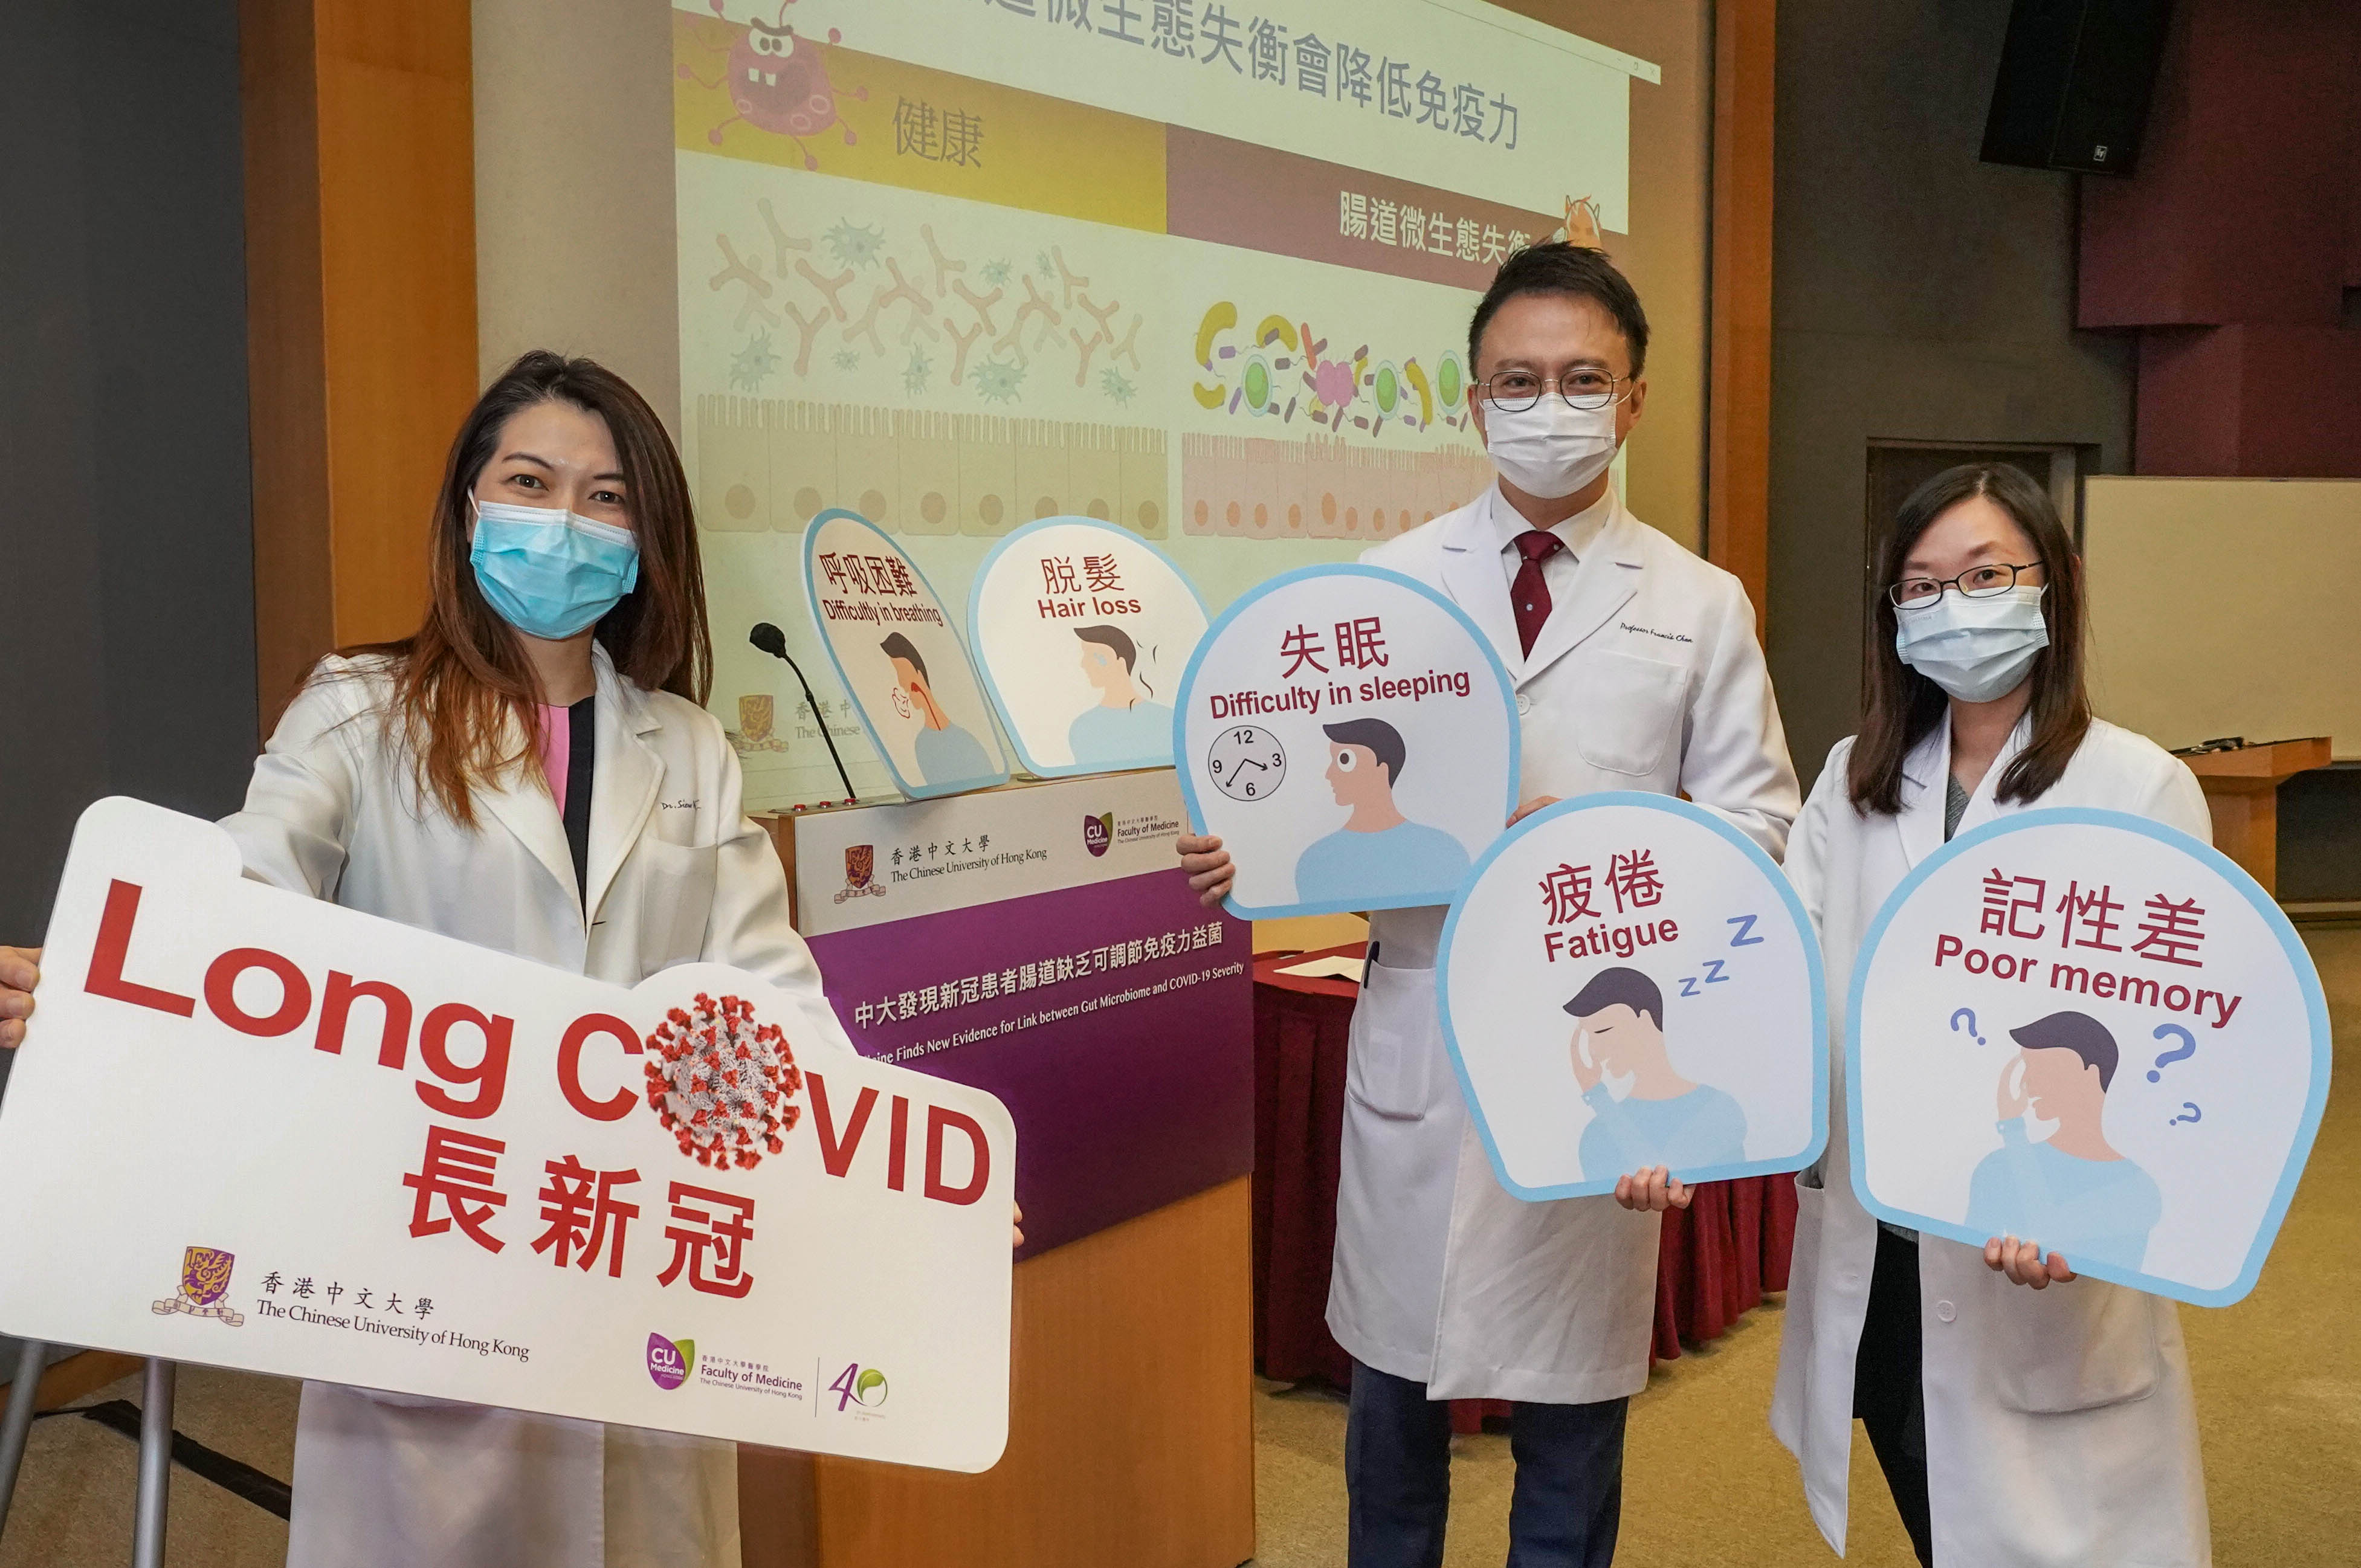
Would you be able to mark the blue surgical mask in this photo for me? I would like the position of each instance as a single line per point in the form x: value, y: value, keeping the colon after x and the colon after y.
x: 548, y: 572
x: 1975, y: 649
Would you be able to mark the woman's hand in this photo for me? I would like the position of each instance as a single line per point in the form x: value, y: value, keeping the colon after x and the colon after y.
x: 19, y: 972
x: 1209, y: 868
x: 1531, y: 806
x: 2021, y: 1262
x: 1015, y: 1226
x: 1650, y: 1191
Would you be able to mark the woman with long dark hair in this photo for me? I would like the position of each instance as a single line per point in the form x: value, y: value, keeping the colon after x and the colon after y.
x: 532, y: 771
x: 2021, y: 1414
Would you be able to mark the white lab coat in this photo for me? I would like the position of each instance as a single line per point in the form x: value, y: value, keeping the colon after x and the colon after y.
x: 677, y: 873
x: 1646, y: 676
x: 2060, y: 1428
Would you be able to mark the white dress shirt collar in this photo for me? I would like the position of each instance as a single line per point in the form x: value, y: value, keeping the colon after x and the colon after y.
x: 1578, y: 533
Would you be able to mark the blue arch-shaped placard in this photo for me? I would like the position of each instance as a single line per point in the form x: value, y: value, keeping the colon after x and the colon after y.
x: 991, y: 684
x: 920, y: 790
x: 2315, y: 1011
x: 1263, y: 590
x: 1808, y: 938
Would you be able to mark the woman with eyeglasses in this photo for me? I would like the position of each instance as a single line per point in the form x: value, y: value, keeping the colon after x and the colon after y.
x: 2020, y: 1414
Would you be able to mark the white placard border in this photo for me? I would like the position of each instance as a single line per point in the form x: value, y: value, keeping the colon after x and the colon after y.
x: 992, y: 686
x: 1807, y: 934
x: 1180, y: 710
x: 860, y: 708
x: 2298, y: 958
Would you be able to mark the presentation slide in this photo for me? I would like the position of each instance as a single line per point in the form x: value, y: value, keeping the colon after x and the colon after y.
x: 1202, y: 272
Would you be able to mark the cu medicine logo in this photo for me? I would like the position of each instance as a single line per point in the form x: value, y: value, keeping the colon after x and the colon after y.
x: 670, y: 1359
x: 1098, y: 832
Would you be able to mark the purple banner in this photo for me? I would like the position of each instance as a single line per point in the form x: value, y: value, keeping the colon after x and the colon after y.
x: 1115, y: 1021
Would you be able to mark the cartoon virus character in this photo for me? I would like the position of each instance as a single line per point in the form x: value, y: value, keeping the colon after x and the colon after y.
x: 721, y: 1082
x: 778, y: 82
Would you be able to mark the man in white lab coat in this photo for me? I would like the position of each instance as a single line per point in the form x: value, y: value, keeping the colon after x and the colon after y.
x: 1636, y: 668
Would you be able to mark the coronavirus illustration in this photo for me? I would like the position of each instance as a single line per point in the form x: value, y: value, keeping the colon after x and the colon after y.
x: 722, y: 1083
x: 778, y: 82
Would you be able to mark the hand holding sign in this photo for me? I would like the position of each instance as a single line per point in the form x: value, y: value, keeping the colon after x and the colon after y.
x: 387, y: 1158
x: 1351, y: 737
x: 2144, y: 1063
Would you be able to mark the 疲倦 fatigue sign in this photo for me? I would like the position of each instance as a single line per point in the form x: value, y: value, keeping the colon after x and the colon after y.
x: 2092, y: 1032
x: 252, y: 1129
x: 1351, y: 737
x: 1629, y: 982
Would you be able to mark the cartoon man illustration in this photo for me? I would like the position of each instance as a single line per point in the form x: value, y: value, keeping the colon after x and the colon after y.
x: 1379, y: 851
x: 1123, y: 726
x: 2073, y: 1192
x: 1662, y: 1118
x: 947, y: 753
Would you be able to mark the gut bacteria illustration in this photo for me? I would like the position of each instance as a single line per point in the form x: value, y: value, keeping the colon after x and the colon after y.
x: 755, y: 364
x: 854, y: 246
x: 1284, y: 369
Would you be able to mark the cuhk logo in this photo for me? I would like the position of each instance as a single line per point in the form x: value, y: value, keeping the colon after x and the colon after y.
x: 860, y: 873
x: 1098, y: 832
x: 669, y: 1360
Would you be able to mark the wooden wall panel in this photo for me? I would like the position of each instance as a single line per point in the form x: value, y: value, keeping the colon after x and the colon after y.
x: 360, y: 221
x: 1131, y: 1426
x: 293, y: 600
x: 1737, y: 526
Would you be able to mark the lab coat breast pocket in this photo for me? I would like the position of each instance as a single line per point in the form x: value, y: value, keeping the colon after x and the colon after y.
x: 675, y: 900
x: 1390, y: 1064
x: 1630, y: 709
x: 2081, y: 1345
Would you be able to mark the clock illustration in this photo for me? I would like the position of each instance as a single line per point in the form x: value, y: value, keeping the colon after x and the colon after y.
x: 1247, y: 763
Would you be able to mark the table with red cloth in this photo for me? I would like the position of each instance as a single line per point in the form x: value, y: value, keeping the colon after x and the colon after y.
x: 1718, y: 1256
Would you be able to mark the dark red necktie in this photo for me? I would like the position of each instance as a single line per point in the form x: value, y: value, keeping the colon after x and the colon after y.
x: 1529, y: 593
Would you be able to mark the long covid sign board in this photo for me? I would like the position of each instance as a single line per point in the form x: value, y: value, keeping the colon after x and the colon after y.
x: 252, y: 1129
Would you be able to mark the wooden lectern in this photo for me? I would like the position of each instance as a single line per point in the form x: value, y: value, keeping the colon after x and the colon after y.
x: 1131, y: 1422
x: 2242, y: 789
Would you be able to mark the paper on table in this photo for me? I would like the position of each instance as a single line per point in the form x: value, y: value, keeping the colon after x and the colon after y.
x: 1332, y: 967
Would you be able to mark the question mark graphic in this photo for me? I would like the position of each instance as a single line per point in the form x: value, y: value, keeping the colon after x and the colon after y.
x: 2190, y: 1106
x: 1971, y: 1017
x: 2187, y: 1048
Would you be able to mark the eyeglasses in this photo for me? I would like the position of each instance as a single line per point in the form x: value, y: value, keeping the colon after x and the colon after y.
x: 1514, y: 392
x: 1976, y: 583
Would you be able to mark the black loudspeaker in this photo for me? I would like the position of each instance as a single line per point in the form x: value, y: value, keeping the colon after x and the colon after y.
x: 2075, y: 78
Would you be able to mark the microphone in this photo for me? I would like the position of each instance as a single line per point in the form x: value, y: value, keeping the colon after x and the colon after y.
x: 772, y: 640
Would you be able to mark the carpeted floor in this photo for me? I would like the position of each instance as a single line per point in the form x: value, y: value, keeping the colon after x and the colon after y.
x: 2278, y: 1399
x: 2278, y: 1393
